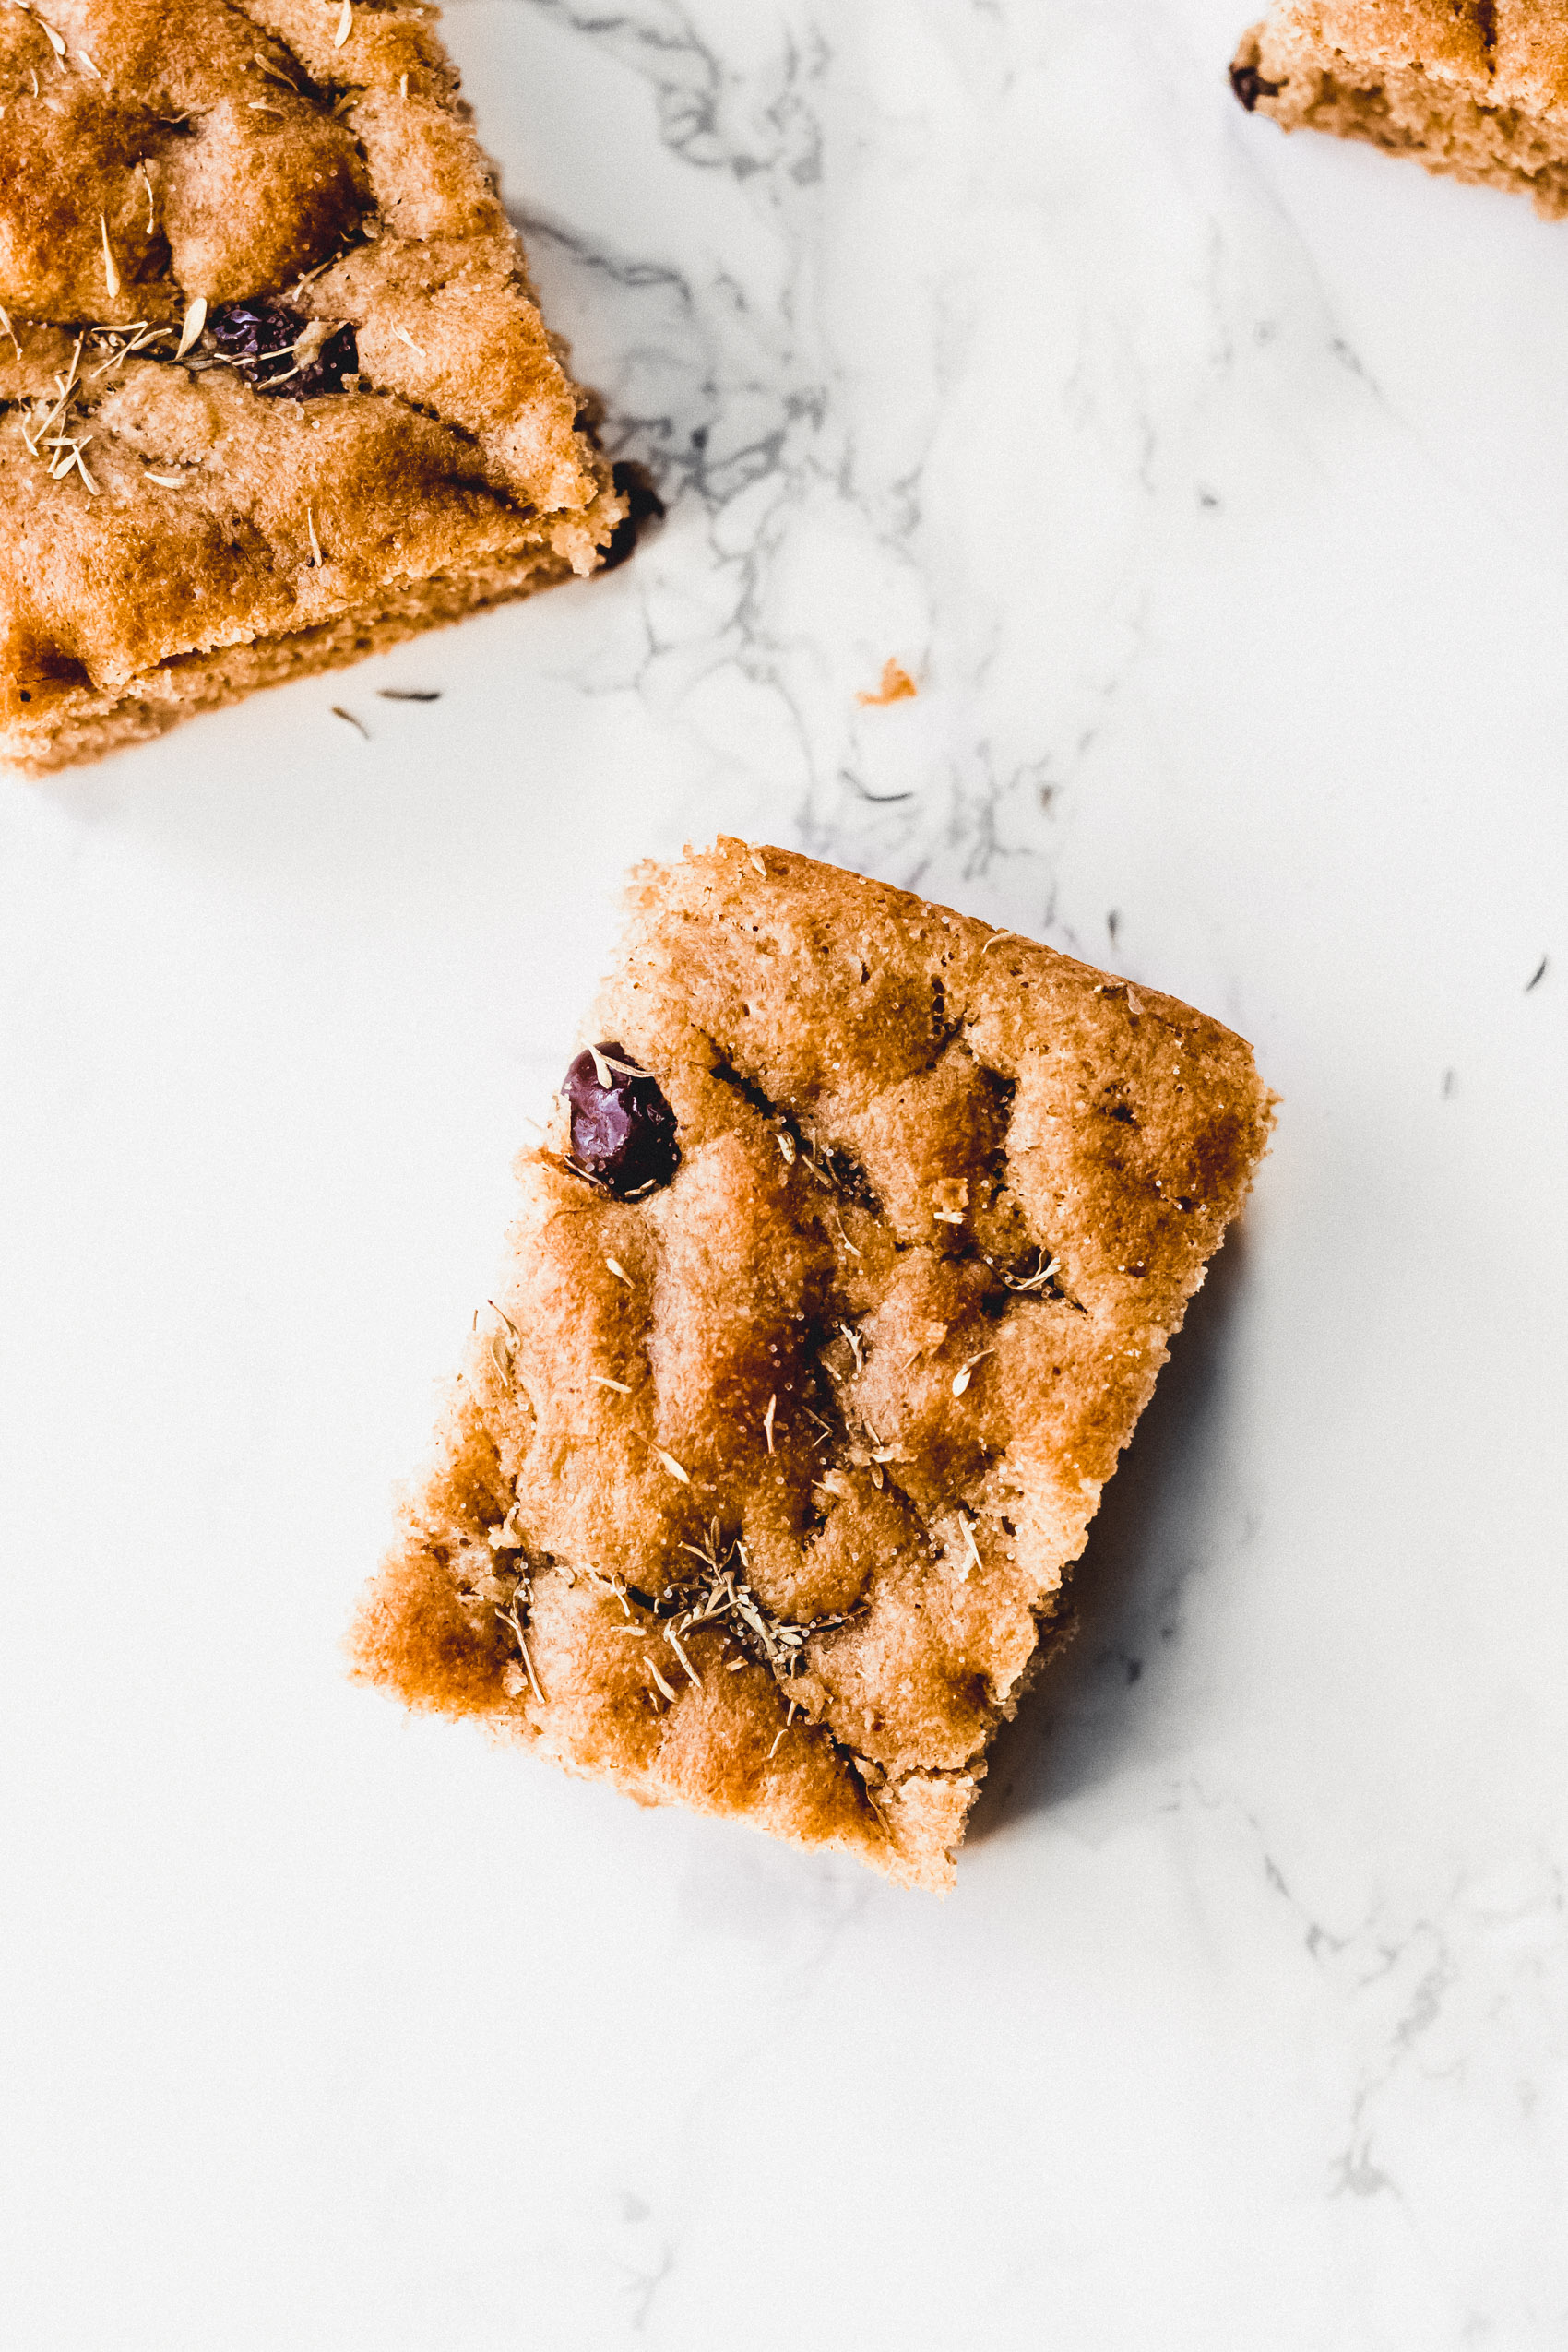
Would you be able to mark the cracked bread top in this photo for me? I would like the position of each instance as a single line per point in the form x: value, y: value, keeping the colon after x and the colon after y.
x: 162, y: 167
x: 755, y: 1489
x: 1502, y: 53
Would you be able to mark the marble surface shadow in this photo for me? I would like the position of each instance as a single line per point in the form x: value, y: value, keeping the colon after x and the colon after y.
x: 1096, y: 1698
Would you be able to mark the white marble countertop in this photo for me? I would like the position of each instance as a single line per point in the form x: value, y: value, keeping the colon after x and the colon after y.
x: 1214, y: 488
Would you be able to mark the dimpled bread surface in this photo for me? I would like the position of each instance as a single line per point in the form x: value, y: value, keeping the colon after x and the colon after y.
x: 160, y: 161
x: 1474, y: 88
x: 864, y: 1365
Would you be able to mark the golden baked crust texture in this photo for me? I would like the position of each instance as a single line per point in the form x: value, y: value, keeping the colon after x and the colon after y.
x: 1476, y: 89
x: 169, y: 535
x: 757, y: 1493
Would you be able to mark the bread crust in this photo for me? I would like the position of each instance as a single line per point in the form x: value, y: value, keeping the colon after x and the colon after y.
x: 171, y: 530
x: 871, y: 1356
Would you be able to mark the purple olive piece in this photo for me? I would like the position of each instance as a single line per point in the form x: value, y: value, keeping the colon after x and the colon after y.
x: 1250, y: 86
x: 623, y: 1133
x: 644, y: 505
x: 258, y: 338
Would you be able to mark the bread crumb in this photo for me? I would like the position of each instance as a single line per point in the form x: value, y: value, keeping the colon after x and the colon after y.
x: 895, y: 686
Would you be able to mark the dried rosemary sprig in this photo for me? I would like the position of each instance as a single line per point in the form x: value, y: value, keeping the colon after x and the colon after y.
x: 57, y: 424
x: 718, y: 1593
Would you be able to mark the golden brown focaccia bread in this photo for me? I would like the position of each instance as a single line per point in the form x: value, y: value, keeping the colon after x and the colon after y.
x: 274, y: 385
x: 1476, y: 88
x: 831, y: 1302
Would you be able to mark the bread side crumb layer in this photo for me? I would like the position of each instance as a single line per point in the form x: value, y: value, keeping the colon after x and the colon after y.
x: 81, y: 726
x: 1475, y: 93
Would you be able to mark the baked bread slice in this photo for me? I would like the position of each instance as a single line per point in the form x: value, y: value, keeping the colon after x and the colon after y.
x: 831, y: 1300
x: 274, y: 386
x: 1476, y: 88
